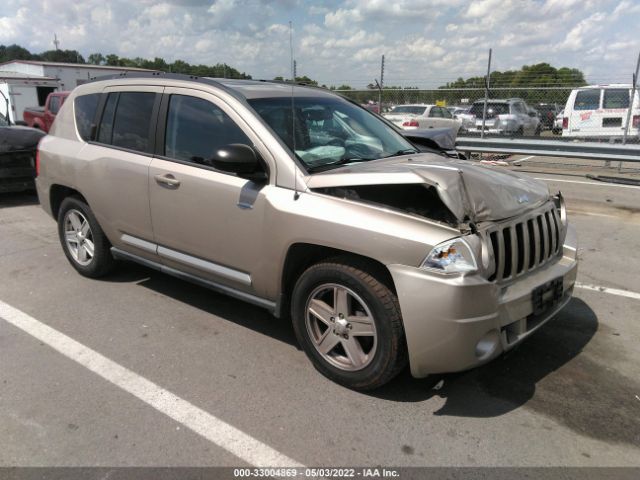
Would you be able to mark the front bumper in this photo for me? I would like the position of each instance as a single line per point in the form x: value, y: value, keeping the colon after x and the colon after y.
x: 456, y: 323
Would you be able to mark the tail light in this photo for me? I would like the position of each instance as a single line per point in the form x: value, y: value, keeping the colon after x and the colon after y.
x: 38, y: 158
x: 565, y: 123
x: 636, y: 121
x: 411, y: 123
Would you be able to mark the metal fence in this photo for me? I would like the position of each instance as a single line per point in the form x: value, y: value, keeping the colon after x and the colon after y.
x: 458, y: 97
x: 604, y: 121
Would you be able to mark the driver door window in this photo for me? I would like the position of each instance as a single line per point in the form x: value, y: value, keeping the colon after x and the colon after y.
x: 196, y: 128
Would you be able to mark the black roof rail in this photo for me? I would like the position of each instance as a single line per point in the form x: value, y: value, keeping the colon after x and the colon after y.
x: 167, y: 75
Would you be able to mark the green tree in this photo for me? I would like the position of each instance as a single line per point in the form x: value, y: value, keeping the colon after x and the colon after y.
x: 14, y: 52
x: 67, y: 56
x: 96, y: 59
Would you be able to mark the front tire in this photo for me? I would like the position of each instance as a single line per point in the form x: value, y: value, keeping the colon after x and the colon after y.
x: 349, y: 325
x: 83, y: 241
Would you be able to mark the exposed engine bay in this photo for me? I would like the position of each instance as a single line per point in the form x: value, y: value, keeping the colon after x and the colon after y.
x: 416, y: 199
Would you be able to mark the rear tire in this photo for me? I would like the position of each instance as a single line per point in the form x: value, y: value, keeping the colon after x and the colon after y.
x: 83, y: 241
x: 355, y: 335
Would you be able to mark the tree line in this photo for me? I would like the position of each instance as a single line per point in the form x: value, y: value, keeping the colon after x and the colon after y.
x: 219, y: 70
x: 533, y: 78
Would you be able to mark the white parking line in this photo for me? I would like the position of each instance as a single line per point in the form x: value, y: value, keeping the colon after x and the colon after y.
x: 203, y: 423
x: 612, y: 291
x: 599, y: 184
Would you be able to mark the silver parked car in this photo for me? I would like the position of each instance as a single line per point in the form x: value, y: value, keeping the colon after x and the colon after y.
x: 505, y: 117
x: 304, y: 203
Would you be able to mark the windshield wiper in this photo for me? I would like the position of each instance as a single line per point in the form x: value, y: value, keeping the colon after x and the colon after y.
x: 406, y: 151
x: 343, y: 161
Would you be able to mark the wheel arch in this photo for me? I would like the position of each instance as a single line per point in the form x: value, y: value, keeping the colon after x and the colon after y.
x: 301, y: 256
x: 57, y: 194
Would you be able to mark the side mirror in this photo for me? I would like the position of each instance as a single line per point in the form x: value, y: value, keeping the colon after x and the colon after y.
x: 533, y: 114
x: 239, y: 159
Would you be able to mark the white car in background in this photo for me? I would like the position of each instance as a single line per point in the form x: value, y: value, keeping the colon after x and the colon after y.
x: 422, y: 116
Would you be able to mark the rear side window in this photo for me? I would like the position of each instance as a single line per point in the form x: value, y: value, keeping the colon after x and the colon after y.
x: 196, y: 128
x: 409, y: 109
x: 587, y: 100
x: 616, y: 98
x: 132, y: 120
x: 85, y: 108
x: 54, y: 105
x: 492, y: 109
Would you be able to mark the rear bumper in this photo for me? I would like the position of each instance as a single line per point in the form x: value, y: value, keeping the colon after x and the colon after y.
x: 42, y: 188
x: 456, y: 323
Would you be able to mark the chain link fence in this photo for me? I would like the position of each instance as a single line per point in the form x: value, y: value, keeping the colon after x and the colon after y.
x: 571, y: 112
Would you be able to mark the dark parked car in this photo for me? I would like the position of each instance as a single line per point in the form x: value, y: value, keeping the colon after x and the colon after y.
x: 548, y: 112
x: 17, y: 156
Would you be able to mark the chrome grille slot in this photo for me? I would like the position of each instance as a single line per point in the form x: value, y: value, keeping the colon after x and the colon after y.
x: 522, y: 246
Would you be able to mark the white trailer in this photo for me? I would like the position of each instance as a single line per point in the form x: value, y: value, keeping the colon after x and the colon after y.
x: 23, y: 91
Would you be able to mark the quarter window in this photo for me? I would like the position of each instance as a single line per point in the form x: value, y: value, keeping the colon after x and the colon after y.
x: 85, y: 108
x: 196, y: 128
x: 132, y: 120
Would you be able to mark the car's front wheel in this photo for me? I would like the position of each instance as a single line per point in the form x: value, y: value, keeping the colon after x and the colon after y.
x: 349, y: 325
x: 83, y: 241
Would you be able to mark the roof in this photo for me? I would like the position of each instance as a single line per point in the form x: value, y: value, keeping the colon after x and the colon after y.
x: 22, y: 76
x: 606, y: 85
x: 75, y: 65
x: 248, y: 89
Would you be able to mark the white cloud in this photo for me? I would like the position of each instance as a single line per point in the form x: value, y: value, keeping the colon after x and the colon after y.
x: 425, y: 42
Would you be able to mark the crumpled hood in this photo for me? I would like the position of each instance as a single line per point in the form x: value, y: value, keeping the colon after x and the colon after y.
x: 472, y: 191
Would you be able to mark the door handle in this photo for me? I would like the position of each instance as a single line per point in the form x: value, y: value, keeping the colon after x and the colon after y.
x: 167, y: 180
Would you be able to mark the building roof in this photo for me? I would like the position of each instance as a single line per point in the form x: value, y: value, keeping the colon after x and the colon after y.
x: 75, y: 65
x: 4, y: 74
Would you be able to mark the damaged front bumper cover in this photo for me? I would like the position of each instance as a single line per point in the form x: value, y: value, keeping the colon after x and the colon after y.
x: 454, y: 323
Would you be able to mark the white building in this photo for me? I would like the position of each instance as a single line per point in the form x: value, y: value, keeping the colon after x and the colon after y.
x: 26, y: 83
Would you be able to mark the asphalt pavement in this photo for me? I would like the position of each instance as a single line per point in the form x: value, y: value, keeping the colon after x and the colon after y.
x: 141, y: 369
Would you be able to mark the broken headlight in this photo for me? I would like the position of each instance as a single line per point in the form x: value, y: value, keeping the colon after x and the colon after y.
x: 452, y: 256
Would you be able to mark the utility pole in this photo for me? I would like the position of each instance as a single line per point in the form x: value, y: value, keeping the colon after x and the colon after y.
x: 293, y: 67
x: 56, y: 42
x: 381, y: 86
x: 295, y: 70
x: 634, y: 87
x: 486, y: 94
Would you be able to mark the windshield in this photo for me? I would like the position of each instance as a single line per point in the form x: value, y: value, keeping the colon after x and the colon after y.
x: 330, y: 130
x: 408, y: 109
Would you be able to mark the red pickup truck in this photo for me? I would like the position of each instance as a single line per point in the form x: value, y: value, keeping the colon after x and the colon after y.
x: 43, y: 117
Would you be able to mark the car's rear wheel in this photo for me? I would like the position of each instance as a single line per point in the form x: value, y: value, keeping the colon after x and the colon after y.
x: 83, y: 241
x: 349, y: 325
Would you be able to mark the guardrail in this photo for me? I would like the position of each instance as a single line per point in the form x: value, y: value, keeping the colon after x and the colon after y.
x: 551, y: 148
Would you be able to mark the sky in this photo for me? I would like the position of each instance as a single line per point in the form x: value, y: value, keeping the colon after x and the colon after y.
x: 425, y: 42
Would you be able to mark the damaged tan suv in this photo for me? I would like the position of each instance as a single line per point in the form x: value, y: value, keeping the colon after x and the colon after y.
x: 304, y: 203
